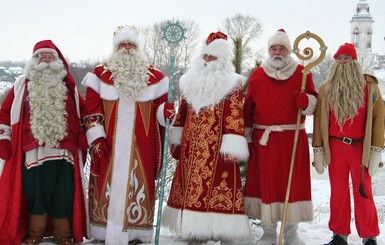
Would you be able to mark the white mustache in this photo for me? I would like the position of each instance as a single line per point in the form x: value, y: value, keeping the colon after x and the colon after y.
x: 51, y: 65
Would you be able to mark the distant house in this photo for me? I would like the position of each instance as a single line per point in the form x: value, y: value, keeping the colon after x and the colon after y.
x: 5, y: 75
x: 15, y: 70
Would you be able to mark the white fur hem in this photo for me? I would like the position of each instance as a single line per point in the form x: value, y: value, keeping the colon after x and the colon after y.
x: 202, y: 225
x: 271, y: 213
x: 236, y: 146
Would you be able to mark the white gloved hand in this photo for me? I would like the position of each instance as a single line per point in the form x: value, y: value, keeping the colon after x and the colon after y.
x: 319, y: 159
x: 375, y: 159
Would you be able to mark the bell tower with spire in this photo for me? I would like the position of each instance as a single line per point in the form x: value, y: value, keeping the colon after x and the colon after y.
x: 361, y: 32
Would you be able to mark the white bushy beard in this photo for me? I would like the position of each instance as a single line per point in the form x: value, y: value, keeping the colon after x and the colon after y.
x: 47, y: 95
x: 129, y: 69
x: 278, y: 61
x: 207, y: 83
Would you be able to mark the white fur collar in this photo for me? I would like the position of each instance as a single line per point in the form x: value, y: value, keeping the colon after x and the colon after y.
x: 283, y: 73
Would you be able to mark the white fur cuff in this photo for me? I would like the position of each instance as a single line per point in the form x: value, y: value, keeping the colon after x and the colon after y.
x: 235, y: 146
x: 5, y: 132
x: 311, y: 106
x: 94, y: 133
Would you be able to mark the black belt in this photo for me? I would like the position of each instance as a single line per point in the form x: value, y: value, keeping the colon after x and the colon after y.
x: 348, y: 141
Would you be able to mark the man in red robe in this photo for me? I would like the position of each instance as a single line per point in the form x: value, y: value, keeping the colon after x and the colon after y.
x: 126, y: 104
x: 271, y: 107
x: 43, y: 145
x: 206, y: 198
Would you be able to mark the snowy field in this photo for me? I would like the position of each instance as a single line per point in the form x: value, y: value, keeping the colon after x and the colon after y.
x: 315, y: 232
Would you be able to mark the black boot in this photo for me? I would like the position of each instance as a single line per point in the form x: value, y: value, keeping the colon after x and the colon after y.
x: 337, y: 240
x: 371, y: 242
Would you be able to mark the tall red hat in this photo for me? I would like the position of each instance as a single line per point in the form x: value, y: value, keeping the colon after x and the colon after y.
x: 49, y: 46
x: 279, y: 37
x: 348, y: 49
x: 217, y: 45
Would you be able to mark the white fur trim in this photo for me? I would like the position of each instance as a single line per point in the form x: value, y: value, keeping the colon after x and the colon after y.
x: 236, y: 146
x: 311, y: 106
x: 94, y: 133
x: 108, y: 92
x: 218, y: 48
x: 45, y: 50
x: 175, y: 137
x: 125, y: 35
x: 271, y: 213
x: 1, y: 166
x: 280, y: 38
x: 160, y: 115
x: 18, y: 102
x: 171, y: 218
x: 204, y: 225
x: 6, y: 135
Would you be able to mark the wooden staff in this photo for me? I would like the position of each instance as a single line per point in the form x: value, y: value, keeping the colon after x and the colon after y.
x: 308, y: 54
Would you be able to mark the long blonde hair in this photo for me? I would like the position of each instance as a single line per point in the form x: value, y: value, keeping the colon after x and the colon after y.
x: 345, y: 85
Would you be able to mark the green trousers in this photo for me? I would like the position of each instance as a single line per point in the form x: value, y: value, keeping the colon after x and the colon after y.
x: 49, y: 188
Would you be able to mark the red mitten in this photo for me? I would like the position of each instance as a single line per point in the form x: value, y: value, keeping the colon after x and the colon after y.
x: 5, y: 149
x: 100, y: 147
x: 169, y: 110
x: 302, y: 101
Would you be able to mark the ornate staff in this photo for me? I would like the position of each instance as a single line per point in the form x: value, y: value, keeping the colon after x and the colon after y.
x: 173, y: 33
x: 308, y: 54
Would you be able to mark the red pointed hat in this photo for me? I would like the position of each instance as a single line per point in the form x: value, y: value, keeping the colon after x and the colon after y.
x: 216, y: 44
x: 45, y: 46
x: 348, y: 49
x: 279, y: 37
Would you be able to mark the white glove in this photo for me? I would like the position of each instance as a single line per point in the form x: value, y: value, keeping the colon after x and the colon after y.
x: 319, y: 159
x: 375, y: 159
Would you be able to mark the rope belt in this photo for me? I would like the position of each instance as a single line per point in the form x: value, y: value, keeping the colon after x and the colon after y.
x: 347, y: 140
x: 274, y: 128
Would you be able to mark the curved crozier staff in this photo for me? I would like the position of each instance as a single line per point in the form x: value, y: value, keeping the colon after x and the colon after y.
x: 173, y: 34
x: 307, y: 55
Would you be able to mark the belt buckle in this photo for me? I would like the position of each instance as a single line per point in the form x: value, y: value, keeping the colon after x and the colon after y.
x: 347, y: 140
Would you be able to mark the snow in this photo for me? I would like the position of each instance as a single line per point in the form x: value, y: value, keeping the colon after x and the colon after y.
x: 315, y: 232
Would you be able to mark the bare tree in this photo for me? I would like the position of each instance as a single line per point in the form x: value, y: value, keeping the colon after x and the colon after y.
x: 159, y: 52
x: 243, y: 29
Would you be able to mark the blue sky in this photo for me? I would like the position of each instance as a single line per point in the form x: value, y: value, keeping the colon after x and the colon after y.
x: 83, y: 29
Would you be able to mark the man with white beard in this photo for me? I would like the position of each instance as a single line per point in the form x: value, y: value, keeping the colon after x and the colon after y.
x: 206, y: 199
x: 271, y: 107
x: 348, y: 138
x: 126, y: 103
x: 44, y: 146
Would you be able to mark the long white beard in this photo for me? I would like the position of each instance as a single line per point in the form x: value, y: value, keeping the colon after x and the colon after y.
x: 129, y: 69
x: 206, y: 84
x: 48, y: 94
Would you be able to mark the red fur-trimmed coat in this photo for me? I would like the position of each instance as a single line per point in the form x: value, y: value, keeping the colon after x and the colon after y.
x: 13, y: 214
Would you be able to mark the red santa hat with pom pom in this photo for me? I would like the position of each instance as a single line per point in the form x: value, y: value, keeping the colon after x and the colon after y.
x: 280, y: 37
x: 217, y: 45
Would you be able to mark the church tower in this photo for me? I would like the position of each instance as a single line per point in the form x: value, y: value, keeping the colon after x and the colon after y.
x: 361, y: 27
x: 361, y: 32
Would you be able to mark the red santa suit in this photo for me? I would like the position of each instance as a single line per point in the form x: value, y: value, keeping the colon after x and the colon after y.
x: 14, y: 116
x: 206, y: 198
x: 271, y: 113
x: 122, y: 185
